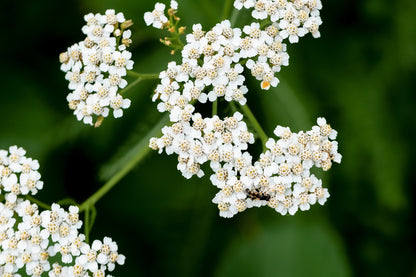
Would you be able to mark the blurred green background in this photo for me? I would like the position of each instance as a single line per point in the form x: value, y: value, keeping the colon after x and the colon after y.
x: 360, y: 75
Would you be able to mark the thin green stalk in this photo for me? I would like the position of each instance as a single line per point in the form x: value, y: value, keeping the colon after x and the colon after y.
x: 141, y: 151
x: 257, y: 127
x: 215, y: 107
x: 67, y: 202
x: 140, y: 77
x: 87, y: 225
x: 143, y: 76
x: 131, y: 85
x: 38, y: 202
x: 106, y: 187
x: 90, y: 215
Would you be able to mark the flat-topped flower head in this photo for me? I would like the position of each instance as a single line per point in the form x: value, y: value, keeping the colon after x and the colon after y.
x: 101, y: 60
x: 212, y: 70
x: 30, y: 238
x: 293, y: 19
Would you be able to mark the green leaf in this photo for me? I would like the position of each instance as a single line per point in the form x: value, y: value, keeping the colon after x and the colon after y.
x: 283, y: 104
x: 127, y: 158
x: 291, y: 247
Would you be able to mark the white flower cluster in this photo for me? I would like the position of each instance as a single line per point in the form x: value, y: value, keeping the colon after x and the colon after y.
x: 281, y: 177
x: 211, y: 69
x: 205, y: 139
x: 30, y: 238
x: 95, y: 67
x: 294, y: 18
x: 18, y: 175
x: 157, y: 17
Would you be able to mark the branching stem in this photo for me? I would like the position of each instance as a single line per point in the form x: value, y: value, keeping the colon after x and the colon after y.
x: 142, y: 151
x: 38, y: 202
x: 255, y: 124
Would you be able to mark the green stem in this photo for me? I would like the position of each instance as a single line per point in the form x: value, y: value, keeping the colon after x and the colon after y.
x: 90, y: 215
x: 38, y: 202
x: 215, y: 107
x: 257, y: 127
x: 139, y: 77
x: 104, y: 189
x: 67, y: 202
x: 143, y: 76
x: 87, y: 225
x: 141, y: 151
x: 131, y: 85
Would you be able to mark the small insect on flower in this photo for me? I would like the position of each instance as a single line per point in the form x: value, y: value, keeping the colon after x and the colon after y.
x: 256, y: 194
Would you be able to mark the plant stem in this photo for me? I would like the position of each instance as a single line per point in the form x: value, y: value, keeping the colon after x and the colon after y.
x: 215, y: 107
x: 131, y: 85
x: 140, y: 77
x: 141, y: 151
x: 143, y: 76
x: 67, y: 202
x: 87, y: 225
x: 90, y: 215
x: 257, y: 127
x: 38, y: 202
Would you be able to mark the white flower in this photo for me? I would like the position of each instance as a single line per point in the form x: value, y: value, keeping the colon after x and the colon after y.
x: 239, y: 4
x: 312, y: 25
x: 112, y: 18
x: 259, y: 11
x: 321, y: 194
x: 292, y: 30
x: 174, y: 5
x: 30, y: 182
x: 114, y: 258
x: 287, y: 205
x: 304, y: 200
x: 157, y: 17
x: 14, y: 158
x: 122, y: 61
x: 88, y: 258
x: 117, y: 103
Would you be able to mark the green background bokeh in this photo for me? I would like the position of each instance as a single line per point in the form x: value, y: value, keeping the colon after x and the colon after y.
x: 360, y: 75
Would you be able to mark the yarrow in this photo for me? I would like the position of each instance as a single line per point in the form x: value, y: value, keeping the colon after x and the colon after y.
x: 29, y: 238
x: 211, y: 69
x: 96, y: 66
x: 157, y: 17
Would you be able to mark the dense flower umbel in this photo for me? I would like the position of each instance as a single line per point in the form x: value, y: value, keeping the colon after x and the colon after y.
x: 29, y: 237
x: 96, y: 66
x: 211, y: 69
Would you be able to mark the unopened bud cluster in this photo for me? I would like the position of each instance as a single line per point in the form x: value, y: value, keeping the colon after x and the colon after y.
x: 96, y: 66
x: 30, y: 238
x: 212, y: 69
